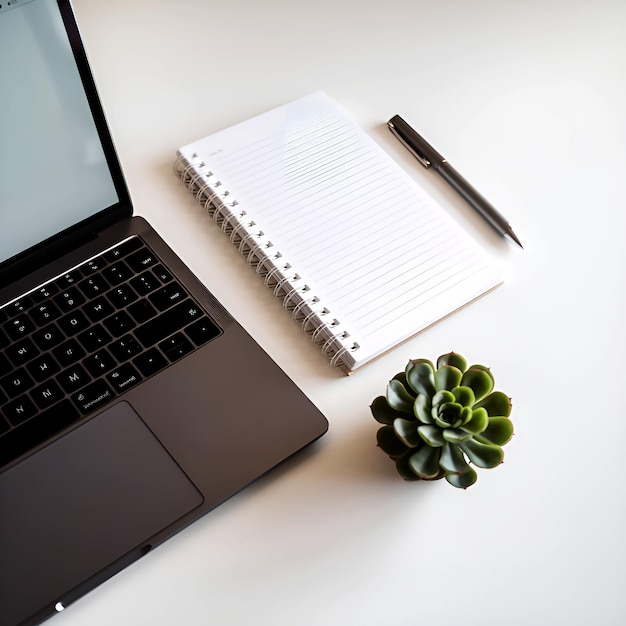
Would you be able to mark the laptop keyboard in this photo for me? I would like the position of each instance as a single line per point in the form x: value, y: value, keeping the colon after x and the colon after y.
x: 82, y: 339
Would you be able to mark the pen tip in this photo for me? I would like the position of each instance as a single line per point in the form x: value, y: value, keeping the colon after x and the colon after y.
x: 512, y: 235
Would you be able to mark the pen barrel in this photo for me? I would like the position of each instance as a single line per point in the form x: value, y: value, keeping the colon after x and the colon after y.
x: 473, y: 198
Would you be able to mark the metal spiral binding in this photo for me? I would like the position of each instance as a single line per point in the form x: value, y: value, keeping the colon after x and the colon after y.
x: 296, y: 313
x: 277, y: 273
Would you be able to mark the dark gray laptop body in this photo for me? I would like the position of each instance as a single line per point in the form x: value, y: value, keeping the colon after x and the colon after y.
x: 102, y: 491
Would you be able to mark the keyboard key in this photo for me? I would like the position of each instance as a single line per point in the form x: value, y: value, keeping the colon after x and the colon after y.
x: 167, y: 323
x: 99, y: 363
x: 202, y: 331
x: 44, y: 313
x: 150, y: 362
x: 117, y: 273
x: 123, y: 377
x: 43, y: 367
x: 73, y: 378
x: 93, y: 286
x: 139, y: 261
x: 19, y: 306
x: 142, y: 311
x: 69, y: 299
x: 98, y: 309
x: 94, y: 338
x: 36, y: 430
x: 68, y: 352
x: 19, y: 327
x: 19, y: 410
x: 162, y: 274
x: 48, y: 337
x: 45, y: 292
x: 47, y: 394
x: 145, y: 283
x: 125, y: 348
x: 122, y: 296
x: 73, y: 323
x: 93, y: 267
x: 67, y: 280
x: 119, y: 323
x: 168, y: 296
x: 22, y: 351
x: 4, y: 425
x: 92, y: 396
x: 123, y: 249
x: 16, y: 382
x: 176, y: 347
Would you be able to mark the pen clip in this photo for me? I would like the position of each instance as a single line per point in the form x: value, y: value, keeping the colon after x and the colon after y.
x: 420, y: 157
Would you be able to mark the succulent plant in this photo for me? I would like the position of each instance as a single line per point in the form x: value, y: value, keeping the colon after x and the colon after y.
x: 439, y: 421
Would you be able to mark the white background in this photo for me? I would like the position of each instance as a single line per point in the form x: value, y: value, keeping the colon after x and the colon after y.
x: 527, y: 100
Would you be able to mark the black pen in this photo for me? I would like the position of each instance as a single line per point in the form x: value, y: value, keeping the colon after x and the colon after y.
x: 428, y: 157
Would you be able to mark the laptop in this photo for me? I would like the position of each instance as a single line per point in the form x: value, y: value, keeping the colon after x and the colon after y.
x: 131, y: 401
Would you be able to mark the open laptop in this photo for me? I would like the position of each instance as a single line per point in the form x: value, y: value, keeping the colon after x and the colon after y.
x: 131, y: 402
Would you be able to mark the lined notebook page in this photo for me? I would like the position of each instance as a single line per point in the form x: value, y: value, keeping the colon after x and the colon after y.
x: 381, y: 255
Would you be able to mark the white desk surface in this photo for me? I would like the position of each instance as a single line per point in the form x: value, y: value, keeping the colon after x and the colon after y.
x: 528, y: 101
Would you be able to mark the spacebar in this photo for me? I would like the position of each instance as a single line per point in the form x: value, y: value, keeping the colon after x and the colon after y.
x: 36, y: 430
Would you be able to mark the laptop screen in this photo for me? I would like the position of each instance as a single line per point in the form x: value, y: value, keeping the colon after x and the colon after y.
x: 53, y: 169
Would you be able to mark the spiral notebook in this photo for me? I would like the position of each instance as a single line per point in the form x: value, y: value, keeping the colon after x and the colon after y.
x: 357, y: 252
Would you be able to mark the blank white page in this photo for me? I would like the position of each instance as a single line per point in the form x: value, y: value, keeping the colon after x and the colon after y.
x: 380, y: 254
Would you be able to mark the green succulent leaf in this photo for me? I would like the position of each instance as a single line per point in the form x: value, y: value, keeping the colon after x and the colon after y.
x: 422, y: 409
x: 425, y: 462
x: 496, y: 403
x: 466, y: 415
x: 389, y: 443
x: 452, y: 459
x: 479, y: 379
x: 431, y: 435
x: 455, y: 435
x: 420, y: 375
x: 484, y: 368
x: 478, y: 423
x: 464, y: 480
x: 499, y: 431
x: 406, y: 430
x: 401, y: 377
x: 443, y: 396
x: 447, y: 377
x: 482, y: 454
x: 404, y: 469
x: 382, y: 412
x: 454, y: 359
x: 398, y: 397
x: 464, y: 396
x: 448, y: 415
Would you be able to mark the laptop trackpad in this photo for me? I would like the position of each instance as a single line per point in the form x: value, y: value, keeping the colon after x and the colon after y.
x: 83, y: 502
